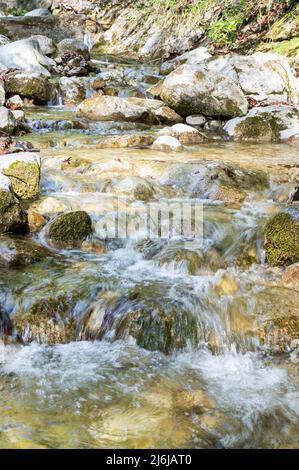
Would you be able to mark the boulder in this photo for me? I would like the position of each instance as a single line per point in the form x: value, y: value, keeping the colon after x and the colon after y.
x: 12, y: 217
x: 32, y: 85
x: 194, y: 90
x: 112, y: 108
x: 251, y: 128
x: 145, y: 315
x: 26, y: 55
x: 8, y: 123
x: 126, y: 141
x: 16, y: 252
x: 281, y: 239
x: 70, y: 229
x: 193, y: 57
x: 265, y: 77
x: 23, y: 170
x: 47, y: 320
x: 72, y: 90
x: 167, y: 143
x: 265, y: 124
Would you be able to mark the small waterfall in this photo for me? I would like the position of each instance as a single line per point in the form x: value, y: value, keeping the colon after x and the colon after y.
x: 88, y: 40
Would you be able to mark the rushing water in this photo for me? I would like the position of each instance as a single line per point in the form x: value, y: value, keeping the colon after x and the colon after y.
x: 228, y: 390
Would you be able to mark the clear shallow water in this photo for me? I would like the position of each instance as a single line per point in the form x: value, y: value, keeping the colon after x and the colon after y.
x: 228, y: 391
x: 116, y: 395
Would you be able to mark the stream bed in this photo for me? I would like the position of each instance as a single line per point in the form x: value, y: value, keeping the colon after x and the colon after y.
x: 104, y: 389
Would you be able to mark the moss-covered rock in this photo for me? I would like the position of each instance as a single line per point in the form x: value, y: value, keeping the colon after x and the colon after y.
x: 282, y: 239
x: 32, y: 85
x: 191, y: 260
x: 254, y: 128
x: 12, y: 217
x: 17, y: 252
x: 264, y: 124
x: 47, y: 320
x: 70, y: 229
x: 156, y: 323
x: 23, y: 170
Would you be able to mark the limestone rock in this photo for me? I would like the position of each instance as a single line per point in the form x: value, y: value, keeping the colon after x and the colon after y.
x: 194, y: 90
x: 23, y: 170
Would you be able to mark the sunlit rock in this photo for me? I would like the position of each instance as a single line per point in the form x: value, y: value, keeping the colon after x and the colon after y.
x: 167, y: 143
x: 23, y: 170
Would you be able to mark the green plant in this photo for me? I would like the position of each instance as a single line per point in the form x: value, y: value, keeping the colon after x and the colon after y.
x: 18, y: 12
x: 225, y: 29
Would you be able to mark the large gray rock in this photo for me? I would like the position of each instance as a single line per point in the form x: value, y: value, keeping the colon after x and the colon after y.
x: 265, y: 77
x: 32, y: 85
x: 12, y: 217
x: 25, y: 54
x: 23, y: 171
x: 8, y: 123
x: 112, y: 108
x: 194, y: 90
x: 46, y: 44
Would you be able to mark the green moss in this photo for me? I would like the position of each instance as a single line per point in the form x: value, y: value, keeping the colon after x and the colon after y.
x: 158, y: 331
x: 156, y: 323
x: 282, y: 240
x: 254, y: 128
x: 70, y: 229
x: 25, y: 178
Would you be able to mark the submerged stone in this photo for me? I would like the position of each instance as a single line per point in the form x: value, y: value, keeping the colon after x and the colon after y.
x: 48, y: 320
x: 17, y: 252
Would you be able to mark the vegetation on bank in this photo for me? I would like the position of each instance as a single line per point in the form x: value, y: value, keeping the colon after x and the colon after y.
x: 223, y: 21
